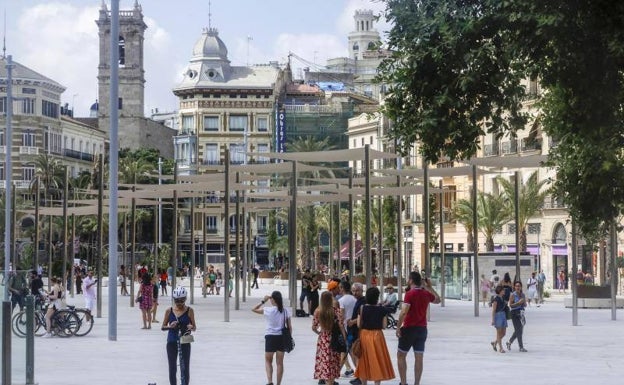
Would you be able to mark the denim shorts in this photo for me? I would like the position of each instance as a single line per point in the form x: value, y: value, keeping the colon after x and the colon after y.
x: 500, y: 320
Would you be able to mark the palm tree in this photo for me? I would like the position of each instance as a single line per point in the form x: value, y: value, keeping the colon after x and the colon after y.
x: 530, y: 199
x: 51, y: 175
x: 493, y: 213
x: 132, y: 170
x: 463, y: 213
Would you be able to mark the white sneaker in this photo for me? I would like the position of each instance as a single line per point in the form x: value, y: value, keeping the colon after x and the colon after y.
x: 47, y: 335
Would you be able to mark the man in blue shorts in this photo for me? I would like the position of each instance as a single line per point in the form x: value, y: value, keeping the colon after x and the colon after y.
x: 412, y: 325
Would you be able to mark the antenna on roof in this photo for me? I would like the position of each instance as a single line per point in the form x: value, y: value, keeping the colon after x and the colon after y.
x: 4, y: 37
x: 209, y: 15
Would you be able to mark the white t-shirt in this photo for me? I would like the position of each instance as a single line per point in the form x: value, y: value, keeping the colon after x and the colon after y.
x: 275, y: 320
x: 89, y: 292
x: 347, y: 302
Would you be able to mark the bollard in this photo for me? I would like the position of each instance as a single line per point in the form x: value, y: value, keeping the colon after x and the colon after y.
x: 30, y: 340
x: 6, y: 343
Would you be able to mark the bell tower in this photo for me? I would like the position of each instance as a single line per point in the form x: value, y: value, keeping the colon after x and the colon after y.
x: 364, y: 37
x: 131, y: 71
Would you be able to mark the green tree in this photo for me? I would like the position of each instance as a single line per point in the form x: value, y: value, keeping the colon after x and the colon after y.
x: 456, y: 70
x: 492, y: 214
x: 531, y: 197
x: 463, y: 214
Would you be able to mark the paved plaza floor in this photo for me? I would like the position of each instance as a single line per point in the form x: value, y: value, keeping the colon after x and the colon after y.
x: 458, y: 348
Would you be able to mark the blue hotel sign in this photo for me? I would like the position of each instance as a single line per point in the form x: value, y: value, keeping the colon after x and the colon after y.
x: 280, y: 134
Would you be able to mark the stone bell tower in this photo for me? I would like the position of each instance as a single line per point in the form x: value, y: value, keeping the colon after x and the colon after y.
x: 131, y: 72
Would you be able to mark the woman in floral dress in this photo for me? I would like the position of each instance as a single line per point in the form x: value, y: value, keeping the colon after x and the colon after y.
x: 327, y: 363
x: 146, y: 293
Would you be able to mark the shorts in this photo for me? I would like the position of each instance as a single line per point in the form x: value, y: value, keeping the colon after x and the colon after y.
x: 89, y: 303
x: 413, y: 337
x: 351, y: 337
x: 500, y: 320
x: 273, y: 343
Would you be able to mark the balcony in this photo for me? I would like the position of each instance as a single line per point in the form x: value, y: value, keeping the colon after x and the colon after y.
x: 551, y: 202
x: 211, y: 230
x: 211, y: 162
x: 491, y: 149
x: 531, y: 144
x: 510, y: 147
x: 28, y: 150
x: 78, y: 155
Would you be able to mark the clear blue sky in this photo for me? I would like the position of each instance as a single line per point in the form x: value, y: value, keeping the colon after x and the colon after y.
x: 58, y: 38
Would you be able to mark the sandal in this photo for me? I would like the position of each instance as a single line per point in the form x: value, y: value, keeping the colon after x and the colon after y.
x: 493, y: 345
x: 508, y: 345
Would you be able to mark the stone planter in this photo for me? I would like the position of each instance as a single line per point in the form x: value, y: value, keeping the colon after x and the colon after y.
x: 268, y: 274
x: 591, y: 291
x: 283, y: 275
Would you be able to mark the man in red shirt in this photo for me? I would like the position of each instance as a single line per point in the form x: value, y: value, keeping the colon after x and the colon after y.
x: 412, y: 324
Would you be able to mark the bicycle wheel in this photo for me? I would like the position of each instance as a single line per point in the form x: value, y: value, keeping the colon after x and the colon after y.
x: 18, y: 324
x: 84, y: 327
x: 66, y: 323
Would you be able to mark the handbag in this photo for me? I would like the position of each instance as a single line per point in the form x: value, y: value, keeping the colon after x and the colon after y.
x: 288, y: 343
x: 139, y: 299
x: 356, y: 348
x: 338, y: 343
x: 187, y: 339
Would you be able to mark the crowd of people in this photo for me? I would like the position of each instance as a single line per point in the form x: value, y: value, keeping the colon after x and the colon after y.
x: 349, y: 326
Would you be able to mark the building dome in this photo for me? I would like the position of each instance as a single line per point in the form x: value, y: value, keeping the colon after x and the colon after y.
x: 210, y: 46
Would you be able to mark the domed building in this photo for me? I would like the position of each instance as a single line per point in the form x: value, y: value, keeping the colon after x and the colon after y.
x: 223, y: 106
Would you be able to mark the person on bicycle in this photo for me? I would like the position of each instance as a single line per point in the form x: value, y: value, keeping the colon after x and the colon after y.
x: 55, y: 296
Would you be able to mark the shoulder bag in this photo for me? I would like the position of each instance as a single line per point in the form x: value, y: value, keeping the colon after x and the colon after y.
x: 338, y: 343
x: 288, y: 343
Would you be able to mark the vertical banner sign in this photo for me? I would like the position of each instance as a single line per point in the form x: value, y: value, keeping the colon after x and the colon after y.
x: 280, y: 134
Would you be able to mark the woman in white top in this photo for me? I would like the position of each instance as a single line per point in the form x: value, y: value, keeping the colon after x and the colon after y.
x: 55, y: 296
x: 532, y: 289
x: 276, y: 317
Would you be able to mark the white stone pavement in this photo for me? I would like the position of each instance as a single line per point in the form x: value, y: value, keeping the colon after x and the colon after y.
x: 457, y: 351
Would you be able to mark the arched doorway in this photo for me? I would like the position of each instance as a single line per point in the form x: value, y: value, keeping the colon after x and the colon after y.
x: 560, y: 253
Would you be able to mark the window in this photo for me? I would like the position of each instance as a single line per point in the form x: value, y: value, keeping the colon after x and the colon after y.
x: 122, y: 51
x: 511, y: 228
x: 188, y: 124
x: 28, y: 172
x: 28, y: 139
x: 2, y: 172
x: 30, y: 91
x: 238, y: 122
x: 533, y: 228
x: 460, y: 247
x: 237, y: 153
x: 3, y: 103
x: 28, y: 106
x: 73, y: 143
x: 211, y: 224
x: 120, y: 103
x: 263, y: 124
x: 263, y: 148
x: 211, y: 123
x: 211, y: 153
x: 262, y: 222
x: 49, y: 109
x: 370, y: 140
x: 1, y: 138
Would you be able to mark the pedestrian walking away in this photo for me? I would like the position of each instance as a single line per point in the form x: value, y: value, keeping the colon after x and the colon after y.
x: 276, y: 317
x: 541, y: 281
x: 485, y: 289
x: 412, y: 325
x: 123, y: 280
x: 145, y: 298
x: 374, y: 362
x: 179, y: 322
x: 327, y: 361
x: 255, y: 272
x: 517, y: 303
x: 499, y: 319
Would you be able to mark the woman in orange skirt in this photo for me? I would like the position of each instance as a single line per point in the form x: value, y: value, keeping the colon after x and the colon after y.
x: 374, y: 364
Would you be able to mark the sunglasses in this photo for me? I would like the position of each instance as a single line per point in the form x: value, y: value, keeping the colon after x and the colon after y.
x: 179, y: 300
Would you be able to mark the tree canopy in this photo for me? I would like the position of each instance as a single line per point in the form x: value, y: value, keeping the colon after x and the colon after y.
x: 456, y: 74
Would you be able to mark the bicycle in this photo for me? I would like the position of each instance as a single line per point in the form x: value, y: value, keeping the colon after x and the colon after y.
x: 65, y: 323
